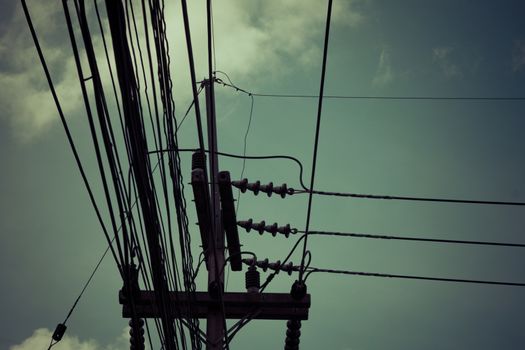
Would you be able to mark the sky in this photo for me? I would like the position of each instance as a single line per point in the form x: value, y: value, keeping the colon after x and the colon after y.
x: 51, y: 239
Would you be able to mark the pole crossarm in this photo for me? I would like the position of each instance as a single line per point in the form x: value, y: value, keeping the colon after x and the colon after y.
x: 271, y: 306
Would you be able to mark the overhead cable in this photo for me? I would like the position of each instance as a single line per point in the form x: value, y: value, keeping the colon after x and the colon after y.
x: 410, y: 198
x: 412, y: 277
x: 417, y: 239
x: 373, y: 97
x: 317, y: 129
x: 67, y: 131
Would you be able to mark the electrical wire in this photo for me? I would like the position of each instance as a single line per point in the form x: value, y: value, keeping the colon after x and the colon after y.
x: 409, y: 198
x: 189, y: 109
x: 244, y: 152
x: 371, y: 97
x: 67, y: 131
x: 191, y: 62
x: 348, y: 194
x: 87, y: 282
x: 317, y: 130
x: 363, y: 97
x: 412, y: 277
x: 417, y: 239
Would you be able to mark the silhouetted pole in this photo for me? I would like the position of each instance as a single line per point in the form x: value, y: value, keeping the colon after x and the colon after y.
x: 215, y: 320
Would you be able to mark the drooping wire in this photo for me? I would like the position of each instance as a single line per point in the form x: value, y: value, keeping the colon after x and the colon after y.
x: 317, y: 129
x: 247, y: 128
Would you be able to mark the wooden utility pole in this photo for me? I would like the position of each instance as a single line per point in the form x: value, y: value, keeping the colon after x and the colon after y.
x: 215, y: 321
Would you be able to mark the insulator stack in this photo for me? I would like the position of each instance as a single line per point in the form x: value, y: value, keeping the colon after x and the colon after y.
x: 274, y: 266
x: 261, y: 227
x: 136, y: 334
x: 253, y: 280
x: 269, y: 189
x: 198, y: 161
x: 293, y: 333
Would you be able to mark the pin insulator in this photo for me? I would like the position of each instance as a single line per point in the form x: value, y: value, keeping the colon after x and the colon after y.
x: 253, y: 280
x: 198, y: 160
x: 275, y: 266
x: 298, y: 290
x: 285, y: 230
x: 59, y: 332
x: 247, y: 224
x: 254, y: 187
x: 289, y: 268
x: 136, y: 333
x: 263, y: 264
x: 271, y: 229
x: 241, y: 185
x: 259, y: 227
x: 293, y: 334
x: 268, y: 189
x: 281, y: 190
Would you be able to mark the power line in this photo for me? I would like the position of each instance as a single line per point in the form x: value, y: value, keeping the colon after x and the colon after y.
x: 349, y: 194
x: 417, y: 239
x: 364, y: 97
x: 66, y: 129
x: 317, y: 129
x: 409, y: 198
x: 191, y: 62
x: 412, y: 277
x: 372, y: 97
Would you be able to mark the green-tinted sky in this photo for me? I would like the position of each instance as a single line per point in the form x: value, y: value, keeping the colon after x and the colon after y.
x: 459, y: 149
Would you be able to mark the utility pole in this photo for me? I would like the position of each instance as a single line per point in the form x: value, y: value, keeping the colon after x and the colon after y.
x: 215, y: 213
x: 215, y: 321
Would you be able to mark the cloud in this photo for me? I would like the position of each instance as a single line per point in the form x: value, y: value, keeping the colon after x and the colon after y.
x: 255, y: 41
x: 41, y: 337
x: 441, y: 56
x: 384, y: 73
x: 25, y: 102
x: 518, y: 56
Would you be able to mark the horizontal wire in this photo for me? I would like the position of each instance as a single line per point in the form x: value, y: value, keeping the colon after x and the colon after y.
x: 418, y: 239
x: 348, y: 194
x: 435, y: 98
x: 412, y: 277
x: 407, y: 198
x: 371, y: 97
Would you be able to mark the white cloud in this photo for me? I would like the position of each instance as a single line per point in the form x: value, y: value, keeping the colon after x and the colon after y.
x: 518, y: 56
x: 254, y: 40
x: 25, y: 101
x: 442, y: 57
x: 384, y: 74
x: 41, y: 337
